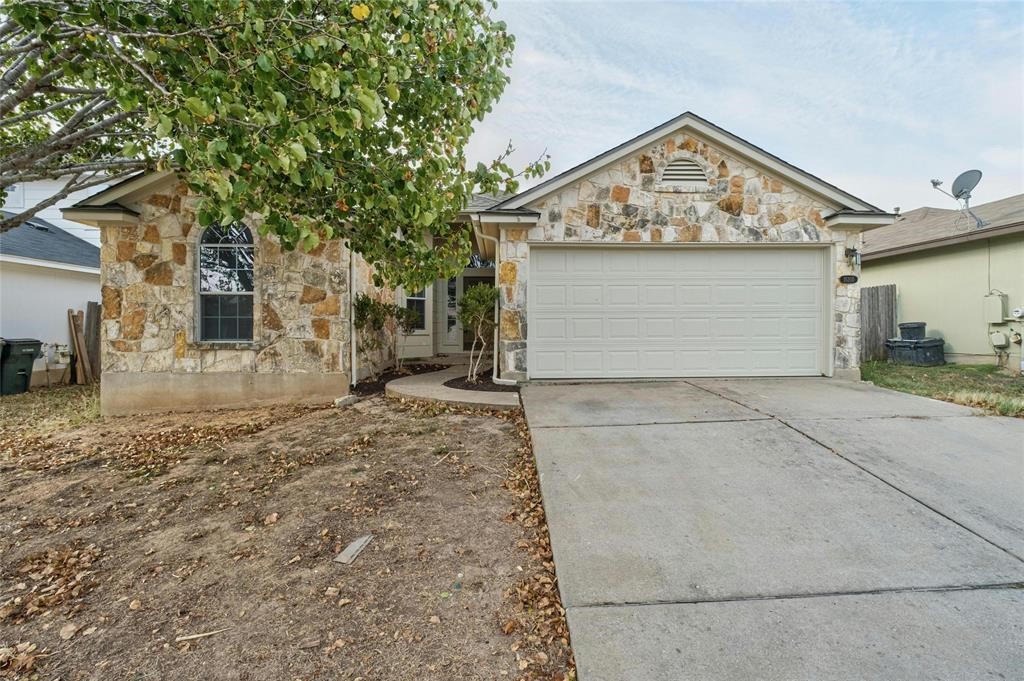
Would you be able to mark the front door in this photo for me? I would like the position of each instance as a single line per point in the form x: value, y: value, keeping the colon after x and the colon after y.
x: 450, y: 337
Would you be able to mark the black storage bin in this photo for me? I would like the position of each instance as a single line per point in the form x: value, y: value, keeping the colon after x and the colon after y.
x: 926, y: 352
x: 912, y: 330
x: 16, y: 358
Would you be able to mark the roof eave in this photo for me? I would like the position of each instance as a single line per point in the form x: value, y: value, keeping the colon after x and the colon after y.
x: 858, y: 221
x: 992, y: 232
x: 97, y: 216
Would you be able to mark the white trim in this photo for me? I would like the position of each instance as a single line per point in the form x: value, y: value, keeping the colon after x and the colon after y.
x: 50, y: 264
x: 94, y: 217
x: 713, y: 133
x: 508, y: 219
x: 858, y: 223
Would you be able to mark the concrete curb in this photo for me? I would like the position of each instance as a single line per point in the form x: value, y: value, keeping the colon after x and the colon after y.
x: 430, y: 388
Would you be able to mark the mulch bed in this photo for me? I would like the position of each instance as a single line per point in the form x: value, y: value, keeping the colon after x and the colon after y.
x: 483, y: 384
x: 375, y: 386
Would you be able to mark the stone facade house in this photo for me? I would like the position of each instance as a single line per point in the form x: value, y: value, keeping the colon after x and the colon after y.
x: 685, y: 251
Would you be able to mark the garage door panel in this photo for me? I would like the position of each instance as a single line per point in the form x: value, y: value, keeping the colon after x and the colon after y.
x: 601, y: 312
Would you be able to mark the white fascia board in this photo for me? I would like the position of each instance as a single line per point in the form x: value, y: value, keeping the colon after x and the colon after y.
x: 859, y: 223
x: 506, y: 219
x: 727, y: 141
x: 96, y: 218
x: 50, y: 264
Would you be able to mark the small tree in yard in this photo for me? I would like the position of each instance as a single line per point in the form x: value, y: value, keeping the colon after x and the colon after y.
x: 476, y: 312
x: 377, y: 321
x: 402, y: 322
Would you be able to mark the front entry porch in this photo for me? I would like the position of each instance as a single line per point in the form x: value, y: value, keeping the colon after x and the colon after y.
x: 441, y: 333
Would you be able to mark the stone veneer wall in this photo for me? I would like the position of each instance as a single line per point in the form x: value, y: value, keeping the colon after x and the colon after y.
x: 626, y: 203
x: 149, y: 326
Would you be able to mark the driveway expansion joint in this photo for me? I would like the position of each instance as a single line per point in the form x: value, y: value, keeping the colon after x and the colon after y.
x: 653, y: 423
x: 867, y: 470
x: 795, y: 596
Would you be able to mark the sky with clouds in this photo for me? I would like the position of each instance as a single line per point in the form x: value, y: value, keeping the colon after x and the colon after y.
x: 875, y: 97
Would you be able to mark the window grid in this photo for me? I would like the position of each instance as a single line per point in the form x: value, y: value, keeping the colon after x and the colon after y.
x: 226, y: 284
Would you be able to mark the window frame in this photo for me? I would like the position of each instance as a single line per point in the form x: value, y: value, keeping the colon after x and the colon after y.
x: 406, y: 297
x: 200, y: 294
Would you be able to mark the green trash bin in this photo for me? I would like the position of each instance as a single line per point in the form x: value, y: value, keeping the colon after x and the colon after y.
x: 17, y: 355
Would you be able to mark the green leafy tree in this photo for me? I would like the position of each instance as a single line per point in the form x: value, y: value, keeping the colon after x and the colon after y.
x: 476, y: 313
x: 327, y: 119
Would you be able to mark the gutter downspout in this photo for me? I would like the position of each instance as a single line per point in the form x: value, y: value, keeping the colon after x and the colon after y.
x: 497, y: 303
x: 354, y: 375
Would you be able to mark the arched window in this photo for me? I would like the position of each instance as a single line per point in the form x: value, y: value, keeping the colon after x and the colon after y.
x: 225, y: 283
x: 686, y: 174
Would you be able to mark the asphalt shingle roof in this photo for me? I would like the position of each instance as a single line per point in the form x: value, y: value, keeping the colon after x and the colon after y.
x: 922, y: 227
x: 44, y: 240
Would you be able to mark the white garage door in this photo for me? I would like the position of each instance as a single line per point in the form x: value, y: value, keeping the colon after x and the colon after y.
x: 636, y: 312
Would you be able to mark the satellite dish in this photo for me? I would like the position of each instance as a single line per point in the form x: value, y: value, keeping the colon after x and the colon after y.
x: 965, y: 182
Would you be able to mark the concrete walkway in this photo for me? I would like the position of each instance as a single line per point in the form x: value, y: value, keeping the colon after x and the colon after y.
x: 430, y: 388
x: 790, y: 529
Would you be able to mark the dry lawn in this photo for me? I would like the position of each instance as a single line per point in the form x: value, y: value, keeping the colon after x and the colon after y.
x: 122, y: 540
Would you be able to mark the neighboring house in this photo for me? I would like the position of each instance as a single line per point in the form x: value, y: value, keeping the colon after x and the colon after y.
x: 963, y: 281
x: 27, y: 194
x: 44, y: 271
x: 685, y: 251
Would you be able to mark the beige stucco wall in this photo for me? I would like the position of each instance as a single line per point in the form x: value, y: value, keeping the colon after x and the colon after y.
x: 625, y: 202
x: 946, y: 287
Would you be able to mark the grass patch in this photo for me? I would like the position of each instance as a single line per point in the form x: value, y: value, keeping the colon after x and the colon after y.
x: 976, y: 385
x: 47, y: 410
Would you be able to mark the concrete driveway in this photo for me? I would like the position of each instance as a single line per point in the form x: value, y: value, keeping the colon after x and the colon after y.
x: 783, y: 529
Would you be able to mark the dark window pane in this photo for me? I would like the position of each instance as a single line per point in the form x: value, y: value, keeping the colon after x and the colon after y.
x: 420, y: 306
x: 245, y: 306
x: 228, y: 328
x: 211, y: 328
x: 245, y: 328
x: 237, y: 233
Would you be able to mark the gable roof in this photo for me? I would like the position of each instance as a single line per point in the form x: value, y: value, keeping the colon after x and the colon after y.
x: 38, y: 239
x: 925, y: 228
x: 710, y: 131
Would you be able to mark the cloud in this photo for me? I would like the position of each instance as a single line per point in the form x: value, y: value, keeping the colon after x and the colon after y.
x: 876, y: 98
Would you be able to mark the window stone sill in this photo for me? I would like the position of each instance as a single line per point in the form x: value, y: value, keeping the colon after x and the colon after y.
x: 225, y: 345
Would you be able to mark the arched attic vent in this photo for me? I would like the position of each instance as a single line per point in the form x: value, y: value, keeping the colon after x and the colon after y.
x: 686, y: 174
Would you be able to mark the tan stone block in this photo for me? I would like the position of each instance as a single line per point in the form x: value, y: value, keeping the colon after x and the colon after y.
x: 125, y: 251
x: 180, y: 343
x: 271, y: 320
x: 332, y: 253
x: 723, y: 169
x: 133, y: 323
x: 690, y: 144
x: 142, y: 261
x: 178, y: 253
x: 655, y: 233
x: 736, y: 183
x: 124, y: 346
x: 775, y: 186
x: 152, y: 234
x: 331, y: 305
x: 510, y: 325
x: 111, y: 302
x: 688, y: 233
x: 620, y: 194
x: 516, y: 233
x: 311, y: 294
x: 159, y: 200
x: 731, y: 204
x: 750, y: 205
x: 631, y: 235
x: 778, y: 218
x: 127, y: 233
x: 815, y: 217
x: 646, y: 164
x: 507, y: 273
x: 321, y: 327
x: 593, y: 215
x: 160, y: 274
x: 670, y: 146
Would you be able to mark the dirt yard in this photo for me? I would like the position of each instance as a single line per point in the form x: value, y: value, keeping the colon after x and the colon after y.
x: 201, y: 546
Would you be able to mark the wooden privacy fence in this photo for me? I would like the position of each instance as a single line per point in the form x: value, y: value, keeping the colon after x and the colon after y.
x: 877, y: 320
